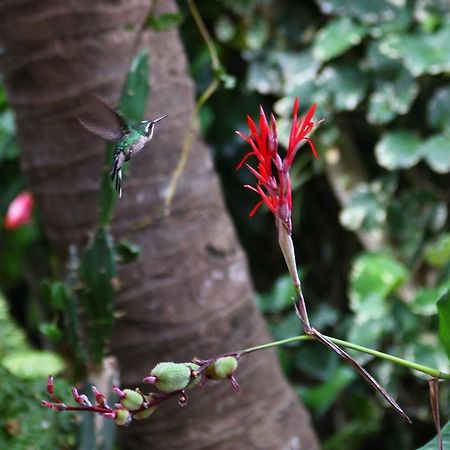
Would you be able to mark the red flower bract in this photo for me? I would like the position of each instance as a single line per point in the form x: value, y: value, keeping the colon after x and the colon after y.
x: 275, y: 190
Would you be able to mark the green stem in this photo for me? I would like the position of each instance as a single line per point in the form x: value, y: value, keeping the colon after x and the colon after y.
x: 435, y: 373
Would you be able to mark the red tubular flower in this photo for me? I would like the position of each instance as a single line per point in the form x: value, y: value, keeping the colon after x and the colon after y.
x: 19, y: 211
x: 275, y: 191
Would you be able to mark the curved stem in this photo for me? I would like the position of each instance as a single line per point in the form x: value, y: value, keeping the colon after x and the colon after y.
x: 435, y: 373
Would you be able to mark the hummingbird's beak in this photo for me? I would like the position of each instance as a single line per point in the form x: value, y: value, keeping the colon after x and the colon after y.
x: 159, y: 118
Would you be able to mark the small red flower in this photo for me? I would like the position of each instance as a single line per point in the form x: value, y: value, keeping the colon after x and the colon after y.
x: 19, y: 211
x: 275, y: 190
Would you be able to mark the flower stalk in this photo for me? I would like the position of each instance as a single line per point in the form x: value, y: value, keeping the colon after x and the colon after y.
x: 273, y: 185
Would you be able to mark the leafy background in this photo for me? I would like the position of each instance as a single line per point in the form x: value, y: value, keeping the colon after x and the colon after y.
x: 370, y: 216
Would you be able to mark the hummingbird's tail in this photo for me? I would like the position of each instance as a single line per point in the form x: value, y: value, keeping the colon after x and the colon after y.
x: 116, y: 172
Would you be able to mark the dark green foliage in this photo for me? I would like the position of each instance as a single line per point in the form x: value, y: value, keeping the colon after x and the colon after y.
x: 97, y: 271
x: 443, y: 306
x: 433, y: 444
x: 25, y: 424
x: 376, y: 259
x: 165, y: 21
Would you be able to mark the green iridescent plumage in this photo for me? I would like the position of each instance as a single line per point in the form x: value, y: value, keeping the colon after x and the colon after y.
x: 103, y: 121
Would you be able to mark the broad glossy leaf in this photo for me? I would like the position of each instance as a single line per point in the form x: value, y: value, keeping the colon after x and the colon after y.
x: 437, y: 253
x: 433, y: 444
x: 321, y: 397
x: 392, y: 97
x: 443, y: 306
x: 368, y: 11
x: 316, y: 360
x: 412, y: 215
x: 368, y: 327
x: 438, y: 109
x: 422, y: 53
x: 424, y: 303
x: 373, y: 277
x: 264, y: 74
x: 33, y: 364
x: 364, y: 211
x: 344, y: 84
x: 257, y: 33
x: 297, y: 69
x: 285, y: 328
x: 279, y: 297
x: 398, y: 150
x: 336, y: 37
x: 436, y: 152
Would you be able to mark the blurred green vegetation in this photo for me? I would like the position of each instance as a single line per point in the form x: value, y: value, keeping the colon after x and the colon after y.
x: 371, y: 216
x: 371, y: 223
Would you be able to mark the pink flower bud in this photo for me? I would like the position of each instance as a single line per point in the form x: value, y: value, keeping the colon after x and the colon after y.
x: 19, y: 211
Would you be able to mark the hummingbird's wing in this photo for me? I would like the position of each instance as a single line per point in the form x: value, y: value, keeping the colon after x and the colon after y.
x: 102, y: 120
x: 116, y: 171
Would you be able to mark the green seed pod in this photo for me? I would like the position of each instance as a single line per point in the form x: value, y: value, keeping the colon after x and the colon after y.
x: 195, y: 377
x: 222, y: 368
x: 171, y: 376
x: 132, y: 400
x: 145, y: 413
x: 123, y: 417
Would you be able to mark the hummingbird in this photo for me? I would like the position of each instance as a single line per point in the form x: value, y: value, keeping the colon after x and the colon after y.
x: 101, y: 120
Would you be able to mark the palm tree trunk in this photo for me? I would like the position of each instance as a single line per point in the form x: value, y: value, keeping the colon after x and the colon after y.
x: 189, y: 293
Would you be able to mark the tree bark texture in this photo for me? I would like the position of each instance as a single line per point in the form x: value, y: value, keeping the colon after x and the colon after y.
x: 188, y: 294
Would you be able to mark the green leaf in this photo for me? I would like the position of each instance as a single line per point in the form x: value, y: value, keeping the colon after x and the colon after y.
x: 436, y: 152
x: 225, y: 29
x: 316, y: 361
x: 263, y: 74
x: 51, y: 331
x: 336, y: 37
x: 368, y: 11
x: 257, y: 33
x: 412, y: 215
x: 365, y: 210
x: 398, y: 150
x: 60, y: 294
x: 437, y: 253
x: 97, y: 273
x: 126, y: 252
x: 165, y: 21
x: 369, y: 325
x: 392, y: 97
x: 422, y: 53
x: 33, y: 364
x: 297, y: 69
x: 279, y: 297
x: 373, y: 277
x: 133, y: 100
x: 433, y: 444
x: 424, y: 303
x: 438, y: 109
x: 321, y: 398
x: 443, y: 306
x: 344, y: 85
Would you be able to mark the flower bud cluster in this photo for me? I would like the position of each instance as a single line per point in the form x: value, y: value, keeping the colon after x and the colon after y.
x: 132, y: 404
x: 171, y: 379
